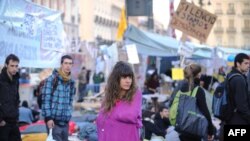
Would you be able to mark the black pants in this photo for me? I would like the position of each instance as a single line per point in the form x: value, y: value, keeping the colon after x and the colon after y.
x: 189, y: 138
x: 10, y: 132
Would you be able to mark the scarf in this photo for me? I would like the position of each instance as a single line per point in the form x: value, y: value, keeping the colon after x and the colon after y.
x: 65, y: 77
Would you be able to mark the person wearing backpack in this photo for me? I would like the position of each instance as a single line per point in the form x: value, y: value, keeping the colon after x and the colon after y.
x: 192, y: 75
x: 238, y: 91
x: 57, y: 102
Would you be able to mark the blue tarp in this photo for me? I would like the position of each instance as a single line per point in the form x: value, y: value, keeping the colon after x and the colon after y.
x: 151, y: 44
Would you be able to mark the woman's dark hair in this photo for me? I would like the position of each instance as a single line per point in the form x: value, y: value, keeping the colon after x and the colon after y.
x: 190, y: 72
x: 112, y: 90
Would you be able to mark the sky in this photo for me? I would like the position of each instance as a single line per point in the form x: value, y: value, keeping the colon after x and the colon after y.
x: 161, y: 13
x: 161, y: 10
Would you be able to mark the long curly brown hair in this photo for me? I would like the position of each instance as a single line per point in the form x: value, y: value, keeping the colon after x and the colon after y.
x: 113, y: 89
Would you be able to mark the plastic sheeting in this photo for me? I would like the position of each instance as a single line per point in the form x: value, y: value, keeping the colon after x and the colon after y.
x: 32, y: 32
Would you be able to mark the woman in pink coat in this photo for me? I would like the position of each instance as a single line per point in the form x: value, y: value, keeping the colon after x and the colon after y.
x: 120, y: 116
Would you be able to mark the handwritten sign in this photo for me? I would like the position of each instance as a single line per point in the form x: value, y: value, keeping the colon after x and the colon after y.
x: 29, y: 24
x: 50, y: 36
x: 193, y: 20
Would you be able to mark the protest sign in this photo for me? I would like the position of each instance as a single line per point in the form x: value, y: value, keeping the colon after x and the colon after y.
x: 193, y: 20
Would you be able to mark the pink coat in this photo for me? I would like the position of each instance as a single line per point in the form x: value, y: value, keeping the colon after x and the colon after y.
x: 122, y: 123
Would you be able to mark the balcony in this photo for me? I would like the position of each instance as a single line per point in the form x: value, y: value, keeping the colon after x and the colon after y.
x: 246, y: 30
x: 231, y: 12
x: 218, y: 12
x: 231, y: 30
x: 246, y: 12
x: 218, y: 30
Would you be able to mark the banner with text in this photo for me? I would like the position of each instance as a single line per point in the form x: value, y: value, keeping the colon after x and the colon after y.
x: 193, y: 20
x: 33, y: 33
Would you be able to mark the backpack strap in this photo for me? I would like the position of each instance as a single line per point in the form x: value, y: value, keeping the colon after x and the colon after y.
x: 233, y: 75
x: 55, y: 83
x: 194, y: 91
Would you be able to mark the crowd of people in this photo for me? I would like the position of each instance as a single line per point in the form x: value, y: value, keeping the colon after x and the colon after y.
x: 121, y: 116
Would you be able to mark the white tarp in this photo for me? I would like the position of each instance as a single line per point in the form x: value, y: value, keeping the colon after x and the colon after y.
x: 32, y: 32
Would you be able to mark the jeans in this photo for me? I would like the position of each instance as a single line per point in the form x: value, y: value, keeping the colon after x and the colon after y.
x: 59, y: 133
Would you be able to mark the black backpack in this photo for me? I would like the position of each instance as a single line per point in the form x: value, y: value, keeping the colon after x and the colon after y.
x: 223, y: 103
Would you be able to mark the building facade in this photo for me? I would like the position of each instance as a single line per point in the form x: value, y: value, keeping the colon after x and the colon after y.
x: 100, y: 20
x: 232, y: 28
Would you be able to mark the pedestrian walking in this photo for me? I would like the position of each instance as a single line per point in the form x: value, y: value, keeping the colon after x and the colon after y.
x: 57, y: 102
x: 82, y: 77
x: 119, y: 118
x: 9, y: 100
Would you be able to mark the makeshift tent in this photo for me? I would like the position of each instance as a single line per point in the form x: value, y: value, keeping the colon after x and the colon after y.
x: 149, y: 44
x: 153, y: 44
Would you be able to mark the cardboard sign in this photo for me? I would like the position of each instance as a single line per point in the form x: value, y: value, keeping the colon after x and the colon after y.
x: 193, y: 20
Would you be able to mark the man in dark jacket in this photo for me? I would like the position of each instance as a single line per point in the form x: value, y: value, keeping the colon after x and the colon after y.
x: 238, y: 89
x: 9, y: 100
x: 161, y: 118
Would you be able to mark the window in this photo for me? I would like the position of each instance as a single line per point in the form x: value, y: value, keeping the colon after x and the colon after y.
x: 247, y: 5
x: 231, y: 6
x: 231, y: 23
x: 247, y: 23
x: 247, y: 42
x: 218, y: 23
x: 218, y: 5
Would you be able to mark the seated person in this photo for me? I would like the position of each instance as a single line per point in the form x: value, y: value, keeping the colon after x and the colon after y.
x: 150, y: 127
x: 151, y: 84
x: 161, y: 118
x: 25, y: 113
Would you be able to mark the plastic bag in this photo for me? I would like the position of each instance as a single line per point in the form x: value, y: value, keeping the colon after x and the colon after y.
x: 50, y: 137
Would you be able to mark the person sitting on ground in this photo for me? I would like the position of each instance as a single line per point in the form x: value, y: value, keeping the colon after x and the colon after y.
x: 150, y: 128
x: 152, y: 84
x: 161, y: 118
x: 25, y: 113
